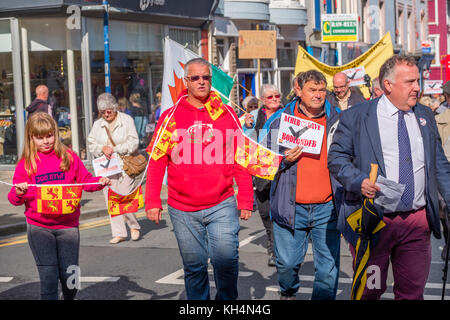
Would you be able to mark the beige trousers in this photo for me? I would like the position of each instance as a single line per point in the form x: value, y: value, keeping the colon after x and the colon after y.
x: 122, y: 184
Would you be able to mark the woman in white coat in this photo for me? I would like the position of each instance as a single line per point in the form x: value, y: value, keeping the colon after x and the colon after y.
x: 126, y: 141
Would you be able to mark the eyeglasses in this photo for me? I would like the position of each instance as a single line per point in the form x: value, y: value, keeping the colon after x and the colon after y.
x: 252, y: 107
x: 108, y: 111
x: 196, y: 78
x: 273, y: 96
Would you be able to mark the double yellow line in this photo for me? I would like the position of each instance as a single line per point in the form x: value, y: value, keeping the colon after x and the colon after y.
x: 83, y: 226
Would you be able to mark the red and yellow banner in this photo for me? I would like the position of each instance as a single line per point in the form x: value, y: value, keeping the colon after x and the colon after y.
x: 255, y: 159
x: 57, y: 200
x: 118, y: 204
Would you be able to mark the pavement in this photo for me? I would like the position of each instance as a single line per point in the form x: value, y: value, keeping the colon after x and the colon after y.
x: 13, y: 220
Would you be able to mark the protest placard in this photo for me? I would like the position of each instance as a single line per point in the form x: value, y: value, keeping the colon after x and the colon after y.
x: 355, y: 76
x: 295, y: 131
x: 106, y: 167
x: 433, y: 86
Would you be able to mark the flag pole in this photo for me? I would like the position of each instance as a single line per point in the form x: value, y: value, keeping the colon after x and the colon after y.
x: 106, y: 46
x: 249, y: 92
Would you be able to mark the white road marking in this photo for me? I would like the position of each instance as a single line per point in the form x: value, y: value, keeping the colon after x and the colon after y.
x: 177, y: 276
x: 6, y: 279
x: 99, y: 279
x: 251, y: 238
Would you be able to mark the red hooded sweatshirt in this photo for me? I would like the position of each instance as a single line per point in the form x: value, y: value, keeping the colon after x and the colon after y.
x: 202, y: 167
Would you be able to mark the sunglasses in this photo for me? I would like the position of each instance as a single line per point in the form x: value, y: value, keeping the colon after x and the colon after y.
x: 252, y: 107
x: 196, y: 78
x: 273, y: 96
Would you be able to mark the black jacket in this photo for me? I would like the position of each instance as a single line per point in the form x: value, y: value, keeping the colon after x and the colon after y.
x: 37, y: 105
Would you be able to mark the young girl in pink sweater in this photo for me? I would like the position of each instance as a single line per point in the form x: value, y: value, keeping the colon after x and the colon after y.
x: 54, y: 240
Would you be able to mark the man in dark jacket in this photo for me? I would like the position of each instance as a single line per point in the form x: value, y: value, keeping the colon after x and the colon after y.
x: 40, y: 103
x: 401, y: 136
x: 301, y: 199
x: 344, y: 96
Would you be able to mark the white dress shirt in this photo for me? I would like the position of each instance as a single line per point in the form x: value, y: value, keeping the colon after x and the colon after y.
x: 387, y: 115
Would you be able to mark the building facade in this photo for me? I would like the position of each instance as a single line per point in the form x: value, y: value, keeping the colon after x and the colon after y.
x: 287, y: 17
x: 439, y: 36
x: 405, y: 20
x: 60, y: 43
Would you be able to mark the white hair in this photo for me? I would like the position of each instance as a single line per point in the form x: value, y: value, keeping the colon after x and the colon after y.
x: 268, y: 87
x: 106, y: 101
x: 197, y: 61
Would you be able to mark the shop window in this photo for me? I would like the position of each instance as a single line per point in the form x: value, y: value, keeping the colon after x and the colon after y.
x: 8, y: 143
x: 131, y: 72
x: 285, y: 57
x: 220, y: 45
x: 136, y: 64
x: 435, y: 50
x: 50, y: 68
x: 189, y: 37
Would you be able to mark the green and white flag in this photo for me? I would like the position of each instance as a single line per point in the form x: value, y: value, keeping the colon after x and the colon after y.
x: 175, y: 57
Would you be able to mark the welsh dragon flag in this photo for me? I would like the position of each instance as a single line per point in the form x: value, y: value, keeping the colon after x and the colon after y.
x: 175, y: 57
x: 58, y: 200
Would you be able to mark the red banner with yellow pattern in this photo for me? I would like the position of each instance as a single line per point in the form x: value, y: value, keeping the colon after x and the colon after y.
x: 58, y: 200
x: 256, y: 159
x: 118, y: 204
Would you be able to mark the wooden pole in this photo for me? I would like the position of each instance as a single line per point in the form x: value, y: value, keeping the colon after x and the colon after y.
x: 259, y: 71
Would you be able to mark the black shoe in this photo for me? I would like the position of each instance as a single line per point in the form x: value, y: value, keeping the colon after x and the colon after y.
x: 287, y: 297
x: 271, y: 262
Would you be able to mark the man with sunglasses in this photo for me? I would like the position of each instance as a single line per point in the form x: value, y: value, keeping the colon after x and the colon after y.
x: 301, y: 198
x: 256, y: 126
x: 201, y: 202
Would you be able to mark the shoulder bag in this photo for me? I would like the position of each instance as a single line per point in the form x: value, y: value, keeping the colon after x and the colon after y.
x: 134, y: 164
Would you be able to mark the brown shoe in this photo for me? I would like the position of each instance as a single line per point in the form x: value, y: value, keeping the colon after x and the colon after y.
x: 116, y: 240
x: 135, y: 234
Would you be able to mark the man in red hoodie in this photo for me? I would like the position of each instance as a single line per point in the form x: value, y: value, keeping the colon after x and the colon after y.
x: 195, y: 147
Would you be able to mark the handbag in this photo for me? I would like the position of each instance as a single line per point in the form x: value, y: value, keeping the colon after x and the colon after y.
x: 133, y: 164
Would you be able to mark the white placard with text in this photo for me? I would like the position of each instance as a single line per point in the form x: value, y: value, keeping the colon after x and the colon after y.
x: 295, y: 131
x: 105, y: 168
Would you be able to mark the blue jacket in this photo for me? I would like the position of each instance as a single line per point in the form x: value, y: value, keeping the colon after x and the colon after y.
x: 284, y: 185
x: 357, y: 144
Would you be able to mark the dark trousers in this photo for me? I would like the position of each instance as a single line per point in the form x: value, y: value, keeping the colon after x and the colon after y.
x: 263, y: 204
x: 54, y: 250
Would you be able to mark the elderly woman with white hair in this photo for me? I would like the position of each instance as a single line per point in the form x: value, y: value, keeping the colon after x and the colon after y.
x: 125, y: 141
x: 256, y: 126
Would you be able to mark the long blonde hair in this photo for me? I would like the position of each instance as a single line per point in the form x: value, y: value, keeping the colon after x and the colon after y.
x: 38, y: 125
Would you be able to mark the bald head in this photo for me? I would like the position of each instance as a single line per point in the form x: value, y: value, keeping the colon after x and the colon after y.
x: 42, y: 92
x: 340, y: 84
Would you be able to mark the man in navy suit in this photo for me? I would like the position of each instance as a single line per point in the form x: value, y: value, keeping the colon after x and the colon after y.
x: 400, y: 136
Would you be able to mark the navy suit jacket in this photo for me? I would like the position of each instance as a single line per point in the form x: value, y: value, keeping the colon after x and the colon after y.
x: 357, y: 144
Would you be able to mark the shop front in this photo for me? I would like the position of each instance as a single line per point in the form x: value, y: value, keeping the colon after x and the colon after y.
x: 37, y: 47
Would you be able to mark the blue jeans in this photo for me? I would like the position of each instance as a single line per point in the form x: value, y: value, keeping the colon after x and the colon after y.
x: 318, y: 222
x: 209, y: 233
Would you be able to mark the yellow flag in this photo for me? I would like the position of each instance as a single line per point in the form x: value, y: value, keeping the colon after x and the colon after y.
x: 370, y: 60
